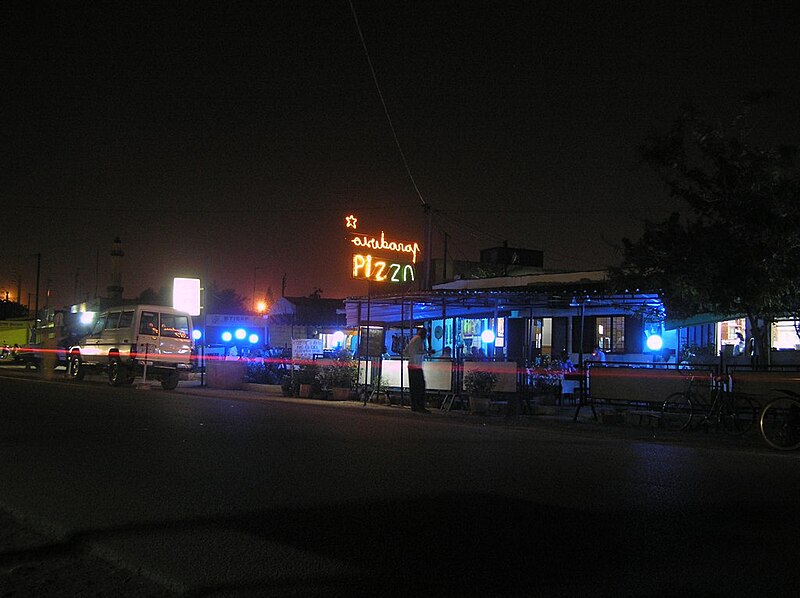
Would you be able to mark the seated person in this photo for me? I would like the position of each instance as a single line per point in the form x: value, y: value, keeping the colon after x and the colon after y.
x: 599, y: 355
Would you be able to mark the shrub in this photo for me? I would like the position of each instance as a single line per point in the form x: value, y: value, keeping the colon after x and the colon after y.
x: 479, y: 383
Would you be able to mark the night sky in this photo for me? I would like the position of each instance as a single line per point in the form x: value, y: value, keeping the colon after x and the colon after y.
x: 229, y: 143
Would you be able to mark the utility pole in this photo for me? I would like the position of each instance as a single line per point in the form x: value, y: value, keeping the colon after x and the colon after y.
x: 35, y: 331
x: 38, y: 272
x: 428, y: 236
x: 444, y: 265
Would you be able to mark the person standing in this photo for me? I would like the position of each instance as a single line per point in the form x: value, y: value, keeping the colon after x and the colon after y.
x: 415, y: 351
x: 739, y: 346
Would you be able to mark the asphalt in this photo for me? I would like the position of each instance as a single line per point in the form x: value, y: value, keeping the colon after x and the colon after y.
x: 32, y: 564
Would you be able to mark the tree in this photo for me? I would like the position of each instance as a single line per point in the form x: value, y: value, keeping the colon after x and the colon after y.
x: 150, y: 296
x: 224, y: 301
x: 12, y: 309
x: 738, y: 249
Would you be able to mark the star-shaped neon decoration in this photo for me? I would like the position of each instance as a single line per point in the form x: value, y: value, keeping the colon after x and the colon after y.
x: 351, y: 221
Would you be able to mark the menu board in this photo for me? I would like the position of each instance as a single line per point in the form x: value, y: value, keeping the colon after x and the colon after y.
x: 306, y: 348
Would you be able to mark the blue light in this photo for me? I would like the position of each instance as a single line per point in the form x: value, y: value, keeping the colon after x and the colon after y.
x: 654, y: 342
x: 240, y: 334
x: 338, y: 337
x: 253, y: 338
x: 197, y: 334
x: 226, y: 337
x: 487, y: 336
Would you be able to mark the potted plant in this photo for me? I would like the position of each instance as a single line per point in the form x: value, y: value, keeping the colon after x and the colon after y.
x: 289, y: 387
x: 340, y: 376
x: 306, y: 379
x: 479, y: 385
x: 546, y: 378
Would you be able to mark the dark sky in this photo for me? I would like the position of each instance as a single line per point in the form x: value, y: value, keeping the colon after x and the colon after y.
x: 229, y: 143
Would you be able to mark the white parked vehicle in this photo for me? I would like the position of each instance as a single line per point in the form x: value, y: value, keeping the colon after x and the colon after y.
x: 125, y: 339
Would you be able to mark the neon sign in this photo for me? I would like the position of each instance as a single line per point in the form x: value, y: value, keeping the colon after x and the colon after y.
x: 371, y: 242
x: 369, y: 266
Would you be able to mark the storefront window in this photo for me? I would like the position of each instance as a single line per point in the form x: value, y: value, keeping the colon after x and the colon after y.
x: 500, y: 339
x: 726, y: 331
x: 784, y: 335
x: 610, y: 334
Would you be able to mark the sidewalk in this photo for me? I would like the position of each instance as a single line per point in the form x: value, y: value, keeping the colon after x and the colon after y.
x: 557, y: 419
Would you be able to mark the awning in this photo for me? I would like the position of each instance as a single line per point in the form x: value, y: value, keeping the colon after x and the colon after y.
x: 427, y: 305
x: 698, y: 320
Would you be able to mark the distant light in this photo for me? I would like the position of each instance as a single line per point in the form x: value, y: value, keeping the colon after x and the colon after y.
x: 261, y: 307
x: 253, y: 338
x: 240, y: 334
x: 87, y: 317
x: 338, y: 337
x: 226, y: 337
x: 487, y: 336
x: 655, y: 342
x: 197, y: 334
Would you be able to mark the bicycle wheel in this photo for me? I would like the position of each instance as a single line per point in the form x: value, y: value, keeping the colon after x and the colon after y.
x: 780, y: 424
x: 738, y: 414
x: 676, y: 412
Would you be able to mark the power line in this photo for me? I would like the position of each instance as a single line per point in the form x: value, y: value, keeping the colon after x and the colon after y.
x: 385, y: 108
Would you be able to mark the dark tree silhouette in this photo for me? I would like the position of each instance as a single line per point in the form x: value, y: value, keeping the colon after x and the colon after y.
x: 153, y: 297
x: 224, y: 301
x: 738, y: 250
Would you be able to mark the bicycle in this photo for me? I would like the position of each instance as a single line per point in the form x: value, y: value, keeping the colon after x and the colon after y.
x: 735, y: 413
x: 779, y: 422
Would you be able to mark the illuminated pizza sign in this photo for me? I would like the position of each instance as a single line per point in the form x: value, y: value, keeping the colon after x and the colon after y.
x: 381, y: 259
x: 368, y: 267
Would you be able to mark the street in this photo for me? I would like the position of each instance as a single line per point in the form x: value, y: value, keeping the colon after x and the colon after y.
x: 204, y: 495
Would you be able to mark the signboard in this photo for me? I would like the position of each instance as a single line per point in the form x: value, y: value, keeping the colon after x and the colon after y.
x: 369, y: 267
x: 186, y: 295
x: 379, y: 259
x: 306, y: 348
x: 234, y: 320
x: 370, y: 339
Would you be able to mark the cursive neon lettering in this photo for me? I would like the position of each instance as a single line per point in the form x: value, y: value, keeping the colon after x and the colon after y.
x: 382, y: 243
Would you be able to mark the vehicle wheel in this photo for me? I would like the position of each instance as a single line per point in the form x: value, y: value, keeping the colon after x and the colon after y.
x: 780, y: 424
x: 739, y: 415
x: 118, y: 374
x: 75, y: 369
x: 676, y: 412
x: 170, y: 381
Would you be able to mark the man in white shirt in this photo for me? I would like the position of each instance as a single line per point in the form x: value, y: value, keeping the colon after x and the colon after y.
x: 415, y: 351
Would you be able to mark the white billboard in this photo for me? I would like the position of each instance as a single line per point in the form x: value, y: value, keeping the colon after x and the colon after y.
x: 186, y: 295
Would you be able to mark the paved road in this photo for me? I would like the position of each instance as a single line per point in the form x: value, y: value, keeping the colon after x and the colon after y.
x: 214, y: 496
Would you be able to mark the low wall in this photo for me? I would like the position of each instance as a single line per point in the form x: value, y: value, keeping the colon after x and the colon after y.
x: 764, y: 385
x: 641, y: 384
x: 228, y: 375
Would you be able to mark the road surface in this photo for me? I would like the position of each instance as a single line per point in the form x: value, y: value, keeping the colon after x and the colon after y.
x: 200, y: 495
